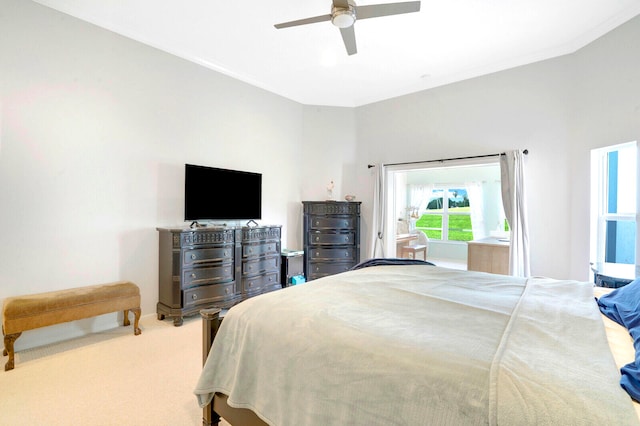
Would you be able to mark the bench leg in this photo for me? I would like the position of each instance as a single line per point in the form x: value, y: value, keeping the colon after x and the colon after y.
x: 9, y: 340
x: 136, y: 320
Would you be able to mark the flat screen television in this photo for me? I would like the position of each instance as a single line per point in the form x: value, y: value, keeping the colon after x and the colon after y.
x: 220, y: 194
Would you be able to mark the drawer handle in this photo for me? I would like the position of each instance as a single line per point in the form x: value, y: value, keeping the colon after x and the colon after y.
x: 346, y: 254
x: 193, y: 275
x: 193, y: 256
x: 317, y: 254
x: 226, y: 290
x: 317, y: 269
x: 317, y: 222
x: 250, y: 284
x: 270, y: 279
x: 250, y: 250
x: 346, y: 238
x: 224, y: 253
x: 317, y: 238
x: 346, y: 224
x: 194, y: 296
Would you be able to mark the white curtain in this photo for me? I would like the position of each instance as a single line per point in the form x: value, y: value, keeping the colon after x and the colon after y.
x: 419, y: 196
x: 476, y: 203
x: 515, y: 209
x: 377, y: 235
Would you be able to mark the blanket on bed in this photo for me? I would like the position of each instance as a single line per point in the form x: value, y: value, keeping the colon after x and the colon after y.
x: 382, y: 261
x: 622, y: 305
x: 417, y: 345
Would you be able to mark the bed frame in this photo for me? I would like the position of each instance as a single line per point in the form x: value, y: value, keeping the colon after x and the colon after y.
x: 218, y: 407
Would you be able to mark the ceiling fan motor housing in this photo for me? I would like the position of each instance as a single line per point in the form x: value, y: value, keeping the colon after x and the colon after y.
x: 343, y: 17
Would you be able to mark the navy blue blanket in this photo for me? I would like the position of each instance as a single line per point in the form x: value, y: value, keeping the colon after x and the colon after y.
x: 623, y: 306
x: 390, y: 261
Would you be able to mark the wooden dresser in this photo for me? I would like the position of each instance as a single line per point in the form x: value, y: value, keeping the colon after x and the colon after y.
x: 215, y: 267
x: 331, y: 237
x: 488, y: 255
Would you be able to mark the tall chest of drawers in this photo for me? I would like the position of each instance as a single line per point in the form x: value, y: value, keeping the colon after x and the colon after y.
x: 215, y: 267
x: 331, y: 237
x: 260, y: 266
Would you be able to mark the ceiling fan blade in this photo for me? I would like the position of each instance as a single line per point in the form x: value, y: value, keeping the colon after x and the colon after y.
x: 306, y: 21
x: 349, y: 38
x: 376, y: 10
x: 341, y: 3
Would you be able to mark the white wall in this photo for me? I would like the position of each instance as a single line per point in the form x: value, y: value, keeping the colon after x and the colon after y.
x: 95, y: 130
x: 605, y: 111
x: 558, y: 109
x: 521, y: 108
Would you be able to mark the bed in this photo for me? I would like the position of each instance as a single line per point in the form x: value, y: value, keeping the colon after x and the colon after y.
x: 411, y: 345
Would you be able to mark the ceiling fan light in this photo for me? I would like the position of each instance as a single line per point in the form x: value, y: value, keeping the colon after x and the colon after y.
x: 343, y: 18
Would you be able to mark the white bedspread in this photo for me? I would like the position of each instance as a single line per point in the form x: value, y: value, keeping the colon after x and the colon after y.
x: 419, y: 345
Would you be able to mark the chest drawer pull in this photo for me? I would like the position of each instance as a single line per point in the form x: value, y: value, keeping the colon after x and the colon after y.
x: 194, y: 296
x: 193, y: 275
x: 193, y: 256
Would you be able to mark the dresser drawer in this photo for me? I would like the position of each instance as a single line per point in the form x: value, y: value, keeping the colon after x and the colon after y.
x: 344, y: 254
x: 196, y: 238
x: 319, y: 238
x: 192, y: 257
x: 333, y: 222
x: 199, y: 276
x: 318, y: 270
x: 260, y: 283
x: 257, y: 266
x: 207, y: 294
x: 250, y: 250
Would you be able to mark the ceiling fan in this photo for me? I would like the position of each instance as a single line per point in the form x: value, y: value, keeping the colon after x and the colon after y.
x: 345, y: 12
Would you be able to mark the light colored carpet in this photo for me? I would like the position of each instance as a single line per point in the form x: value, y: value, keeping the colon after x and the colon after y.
x: 108, y: 378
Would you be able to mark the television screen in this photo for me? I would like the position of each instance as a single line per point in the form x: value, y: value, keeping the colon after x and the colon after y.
x: 220, y: 194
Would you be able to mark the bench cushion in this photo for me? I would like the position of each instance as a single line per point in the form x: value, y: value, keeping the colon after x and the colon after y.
x: 39, y: 310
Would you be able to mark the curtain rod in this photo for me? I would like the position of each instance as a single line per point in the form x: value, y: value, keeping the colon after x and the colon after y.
x: 525, y: 152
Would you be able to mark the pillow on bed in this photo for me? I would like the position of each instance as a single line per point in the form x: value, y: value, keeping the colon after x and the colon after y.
x: 622, y: 305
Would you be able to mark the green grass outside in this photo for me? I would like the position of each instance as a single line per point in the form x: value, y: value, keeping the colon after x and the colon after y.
x: 459, y: 226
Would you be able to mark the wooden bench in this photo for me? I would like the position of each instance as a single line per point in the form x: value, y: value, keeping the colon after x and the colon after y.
x: 22, y: 313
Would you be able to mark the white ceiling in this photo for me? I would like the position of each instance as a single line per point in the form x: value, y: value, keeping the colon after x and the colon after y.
x: 447, y: 41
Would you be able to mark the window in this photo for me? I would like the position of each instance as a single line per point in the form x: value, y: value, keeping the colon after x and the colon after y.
x: 614, y: 204
x: 451, y: 203
x: 447, y: 215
